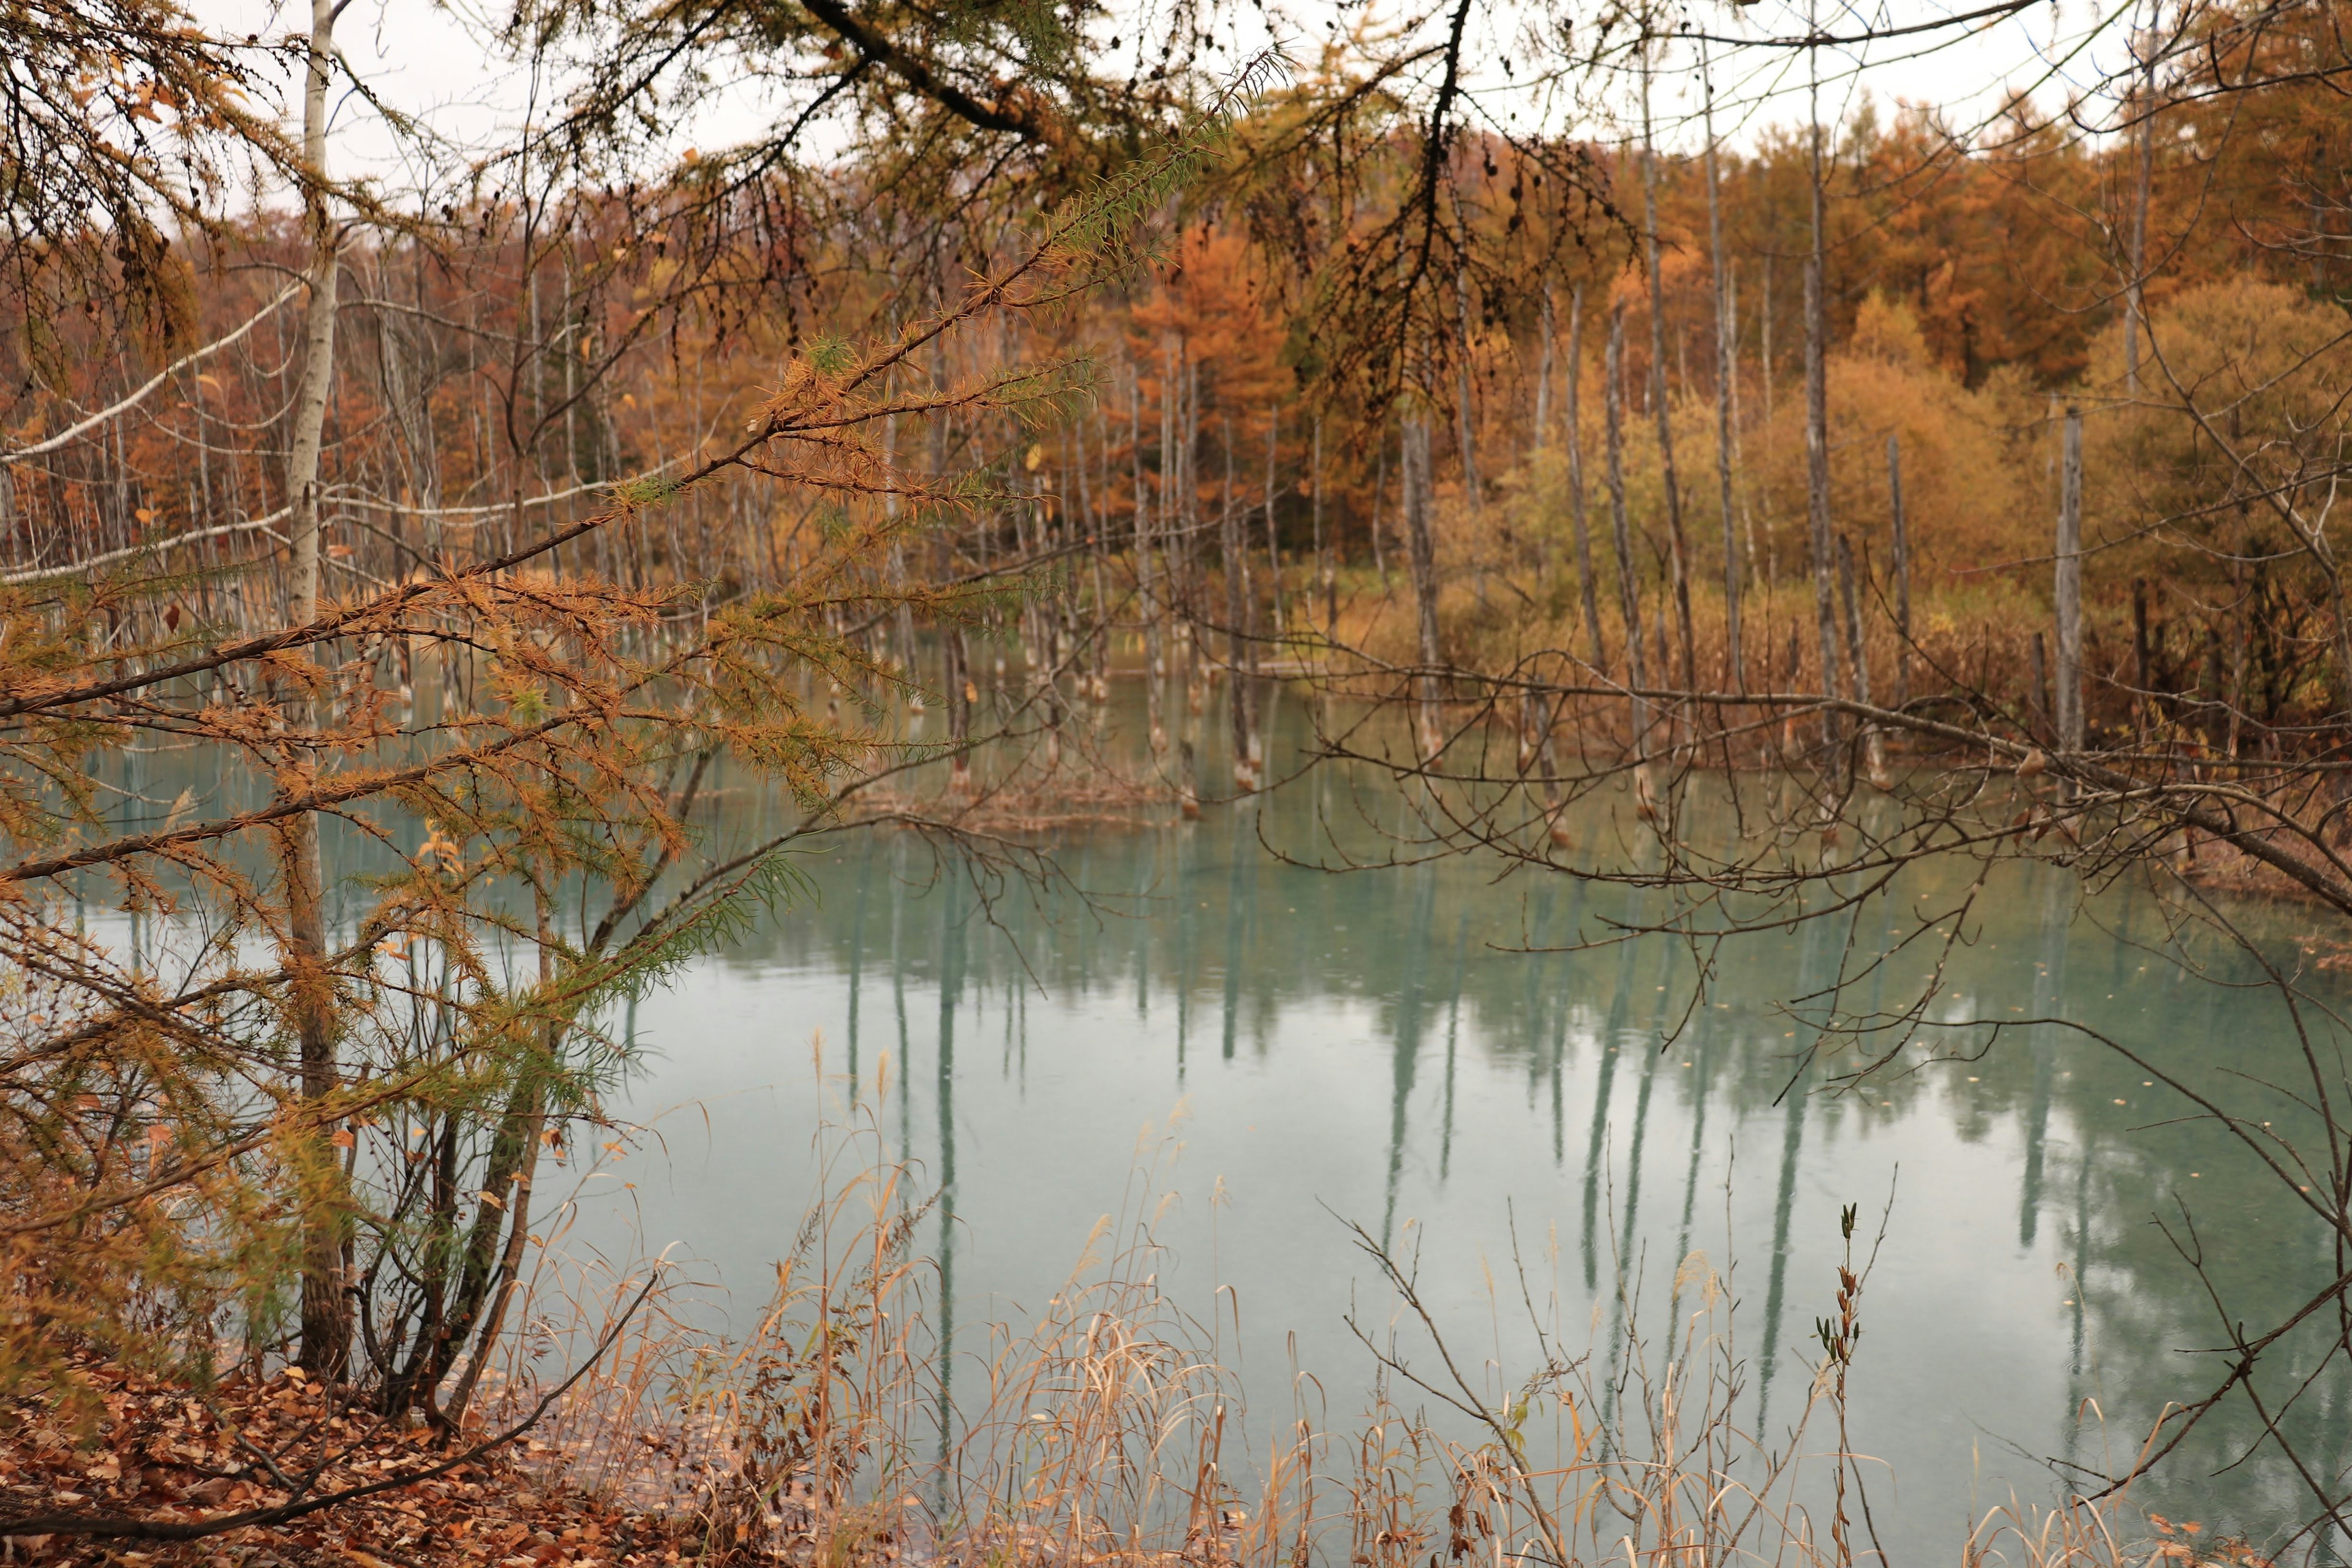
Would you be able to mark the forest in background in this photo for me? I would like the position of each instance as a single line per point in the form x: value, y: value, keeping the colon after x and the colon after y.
x: 498, y: 371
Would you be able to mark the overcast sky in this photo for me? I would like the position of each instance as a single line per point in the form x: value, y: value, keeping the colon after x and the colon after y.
x: 435, y: 62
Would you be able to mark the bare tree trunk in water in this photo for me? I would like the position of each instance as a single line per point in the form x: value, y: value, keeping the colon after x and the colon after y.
x: 1104, y: 643
x: 955, y: 675
x: 1188, y: 428
x: 1273, y: 535
x: 1628, y: 590
x: 1239, y: 650
x: 959, y: 694
x: 1859, y: 662
x: 1047, y: 644
x: 1680, y: 547
x: 1472, y: 492
x: 1726, y: 372
x: 2134, y: 310
x: 1325, y: 578
x: 326, y: 1320
x: 1550, y: 330
x: 1902, y: 573
x: 1817, y: 426
x: 1146, y: 598
x: 2069, y: 589
x: 1586, y: 587
x: 1421, y: 551
x: 2039, y: 699
x: 1817, y: 474
x: 1079, y: 529
x: 1188, y: 781
x: 904, y: 617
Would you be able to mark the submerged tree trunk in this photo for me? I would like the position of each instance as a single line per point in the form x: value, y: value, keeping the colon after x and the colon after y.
x: 1421, y: 551
x: 2068, y: 594
x: 442, y: 1345
x: 1859, y: 662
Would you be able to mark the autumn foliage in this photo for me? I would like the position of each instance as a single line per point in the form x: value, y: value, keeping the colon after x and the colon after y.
x: 354, y: 720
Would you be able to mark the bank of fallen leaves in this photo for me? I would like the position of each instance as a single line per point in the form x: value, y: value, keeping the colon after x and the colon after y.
x: 165, y: 1452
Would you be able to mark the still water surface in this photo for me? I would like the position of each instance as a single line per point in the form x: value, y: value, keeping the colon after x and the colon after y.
x: 1379, y: 1048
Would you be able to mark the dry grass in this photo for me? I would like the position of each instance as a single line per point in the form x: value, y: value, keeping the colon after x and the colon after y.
x: 1110, y: 1431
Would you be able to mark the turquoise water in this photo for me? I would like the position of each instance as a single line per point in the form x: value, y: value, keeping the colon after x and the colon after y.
x: 1290, y: 1049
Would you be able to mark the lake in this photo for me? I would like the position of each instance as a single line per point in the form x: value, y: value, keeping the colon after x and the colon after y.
x: 1285, y: 1049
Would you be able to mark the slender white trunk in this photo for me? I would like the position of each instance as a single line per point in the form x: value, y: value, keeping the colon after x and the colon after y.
x: 1471, y: 493
x: 1585, y: 586
x: 319, y: 328
x: 1241, y: 651
x: 1817, y: 423
x: 1273, y: 534
x: 1147, y: 606
x: 1659, y: 405
x: 1629, y: 594
x: 1543, y: 372
x: 1858, y: 660
x: 2134, y: 308
x: 1902, y: 572
x: 1325, y: 578
x: 1421, y: 551
x: 2069, y: 590
x: 325, y: 1314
